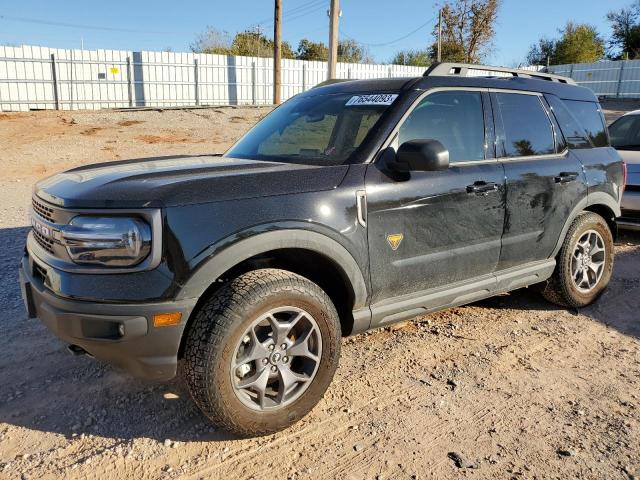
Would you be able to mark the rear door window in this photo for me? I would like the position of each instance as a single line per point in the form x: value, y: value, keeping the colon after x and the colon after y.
x: 590, y: 117
x: 527, y: 129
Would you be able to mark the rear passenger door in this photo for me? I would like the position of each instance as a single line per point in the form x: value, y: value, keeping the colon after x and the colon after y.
x: 544, y: 180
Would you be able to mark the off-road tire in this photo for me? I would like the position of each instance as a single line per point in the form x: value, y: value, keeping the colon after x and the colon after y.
x: 560, y: 288
x: 216, y: 330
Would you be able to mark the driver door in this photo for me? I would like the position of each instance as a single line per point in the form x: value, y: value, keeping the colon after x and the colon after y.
x: 430, y: 230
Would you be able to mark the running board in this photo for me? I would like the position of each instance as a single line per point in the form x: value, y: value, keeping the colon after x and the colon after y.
x: 440, y: 298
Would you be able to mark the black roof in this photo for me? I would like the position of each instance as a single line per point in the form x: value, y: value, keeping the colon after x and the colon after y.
x: 562, y: 90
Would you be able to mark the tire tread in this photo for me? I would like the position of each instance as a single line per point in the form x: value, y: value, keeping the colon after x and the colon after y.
x: 216, y: 319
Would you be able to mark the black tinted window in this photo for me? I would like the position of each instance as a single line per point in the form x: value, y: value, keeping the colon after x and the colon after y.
x: 314, y: 130
x: 453, y: 118
x: 625, y: 132
x: 526, y: 125
x: 591, y: 119
x: 574, y: 134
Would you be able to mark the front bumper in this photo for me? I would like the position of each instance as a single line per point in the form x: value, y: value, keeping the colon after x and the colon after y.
x: 630, y: 218
x: 120, y: 334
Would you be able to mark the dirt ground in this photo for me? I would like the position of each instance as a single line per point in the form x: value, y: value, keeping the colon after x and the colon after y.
x: 510, y: 387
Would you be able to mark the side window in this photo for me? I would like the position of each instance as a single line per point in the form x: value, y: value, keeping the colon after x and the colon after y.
x: 590, y: 117
x: 625, y: 132
x: 454, y: 118
x: 527, y: 129
x: 573, y: 133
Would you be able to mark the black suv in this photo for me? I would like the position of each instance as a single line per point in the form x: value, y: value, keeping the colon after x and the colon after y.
x: 351, y: 206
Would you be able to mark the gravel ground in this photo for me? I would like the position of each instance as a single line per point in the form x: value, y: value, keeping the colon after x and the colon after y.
x: 511, y: 387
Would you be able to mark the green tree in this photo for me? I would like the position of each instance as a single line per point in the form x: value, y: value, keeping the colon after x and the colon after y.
x: 351, y: 51
x: 579, y: 43
x: 542, y: 52
x: 251, y: 43
x: 416, y: 58
x: 308, y: 50
x: 212, y: 41
x: 468, y: 28
x: 625, y: 37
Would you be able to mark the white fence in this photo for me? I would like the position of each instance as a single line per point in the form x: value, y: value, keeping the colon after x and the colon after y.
x: 48, y: 78
x: 619, y: 79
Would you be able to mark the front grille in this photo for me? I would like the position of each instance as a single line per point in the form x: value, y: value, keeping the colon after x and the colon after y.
x: 632, y: 188
x: 42, y: 210
x: 43, y: 241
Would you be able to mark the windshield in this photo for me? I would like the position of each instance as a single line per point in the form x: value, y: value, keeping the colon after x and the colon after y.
x: 317, y: 130
x: 625, y: 132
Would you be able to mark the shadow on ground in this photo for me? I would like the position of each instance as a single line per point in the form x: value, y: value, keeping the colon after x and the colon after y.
x: 617, y: 307
x: 44, y: 388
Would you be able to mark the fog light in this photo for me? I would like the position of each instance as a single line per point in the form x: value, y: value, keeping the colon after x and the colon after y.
x: 167, y: 319
x: 121, y: 329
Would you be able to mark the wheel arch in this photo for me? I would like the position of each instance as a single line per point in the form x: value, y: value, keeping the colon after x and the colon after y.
x: 598, y: 202
x: 312, y: 255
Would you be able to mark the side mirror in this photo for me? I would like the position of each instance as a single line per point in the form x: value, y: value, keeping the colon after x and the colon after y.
x: 421, y: 156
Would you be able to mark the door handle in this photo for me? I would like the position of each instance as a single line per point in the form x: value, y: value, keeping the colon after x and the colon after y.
x: 482, y: 188
x: 566, y: 177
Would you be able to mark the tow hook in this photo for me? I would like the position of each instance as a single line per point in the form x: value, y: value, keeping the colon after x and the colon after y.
x: 78, y: 350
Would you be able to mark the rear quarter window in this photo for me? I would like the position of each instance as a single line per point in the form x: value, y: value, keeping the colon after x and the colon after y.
x: 590, y: 117
x: 574, y: 134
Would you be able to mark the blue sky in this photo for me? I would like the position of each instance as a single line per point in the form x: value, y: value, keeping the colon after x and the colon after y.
x: 155, y: 25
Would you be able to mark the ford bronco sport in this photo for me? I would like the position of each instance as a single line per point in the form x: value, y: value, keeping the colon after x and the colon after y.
x: 353, y: 205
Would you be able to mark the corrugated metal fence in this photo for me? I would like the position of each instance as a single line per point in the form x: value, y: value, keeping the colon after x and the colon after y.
x: 619, y: 79
x: 48, y: 78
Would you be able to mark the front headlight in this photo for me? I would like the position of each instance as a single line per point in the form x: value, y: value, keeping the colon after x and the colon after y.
x: 109, y: 241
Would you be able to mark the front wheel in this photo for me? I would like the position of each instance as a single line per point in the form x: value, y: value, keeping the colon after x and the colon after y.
x: 262, y: 351
x: 584, y: 264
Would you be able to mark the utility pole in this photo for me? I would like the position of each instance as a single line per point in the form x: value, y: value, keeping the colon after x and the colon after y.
x: 277, y: 50
x: 334, y: 18
x: 440, y: 35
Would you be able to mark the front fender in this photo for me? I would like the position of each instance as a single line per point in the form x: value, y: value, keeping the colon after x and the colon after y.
x: 230, y: 252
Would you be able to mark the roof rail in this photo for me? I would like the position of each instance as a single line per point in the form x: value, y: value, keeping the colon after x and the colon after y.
x: 462, y: 70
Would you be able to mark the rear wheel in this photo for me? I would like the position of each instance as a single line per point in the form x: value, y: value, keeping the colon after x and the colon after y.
x: 262, y: 351
x: 584, y: 264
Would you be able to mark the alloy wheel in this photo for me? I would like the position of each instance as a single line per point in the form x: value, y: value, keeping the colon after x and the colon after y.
x: 588, y: 261
x: 276, y: 359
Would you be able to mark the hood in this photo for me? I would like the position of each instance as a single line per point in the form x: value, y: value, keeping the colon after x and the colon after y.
x: 182, y: 180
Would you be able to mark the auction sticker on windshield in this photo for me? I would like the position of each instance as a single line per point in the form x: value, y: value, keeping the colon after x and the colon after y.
x: 377, y: 99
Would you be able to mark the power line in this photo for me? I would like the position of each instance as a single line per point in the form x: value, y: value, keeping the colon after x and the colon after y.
x: 427, y: 23
x: 293, y: 10
x: 77, y: 25
x: 292, y: 16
